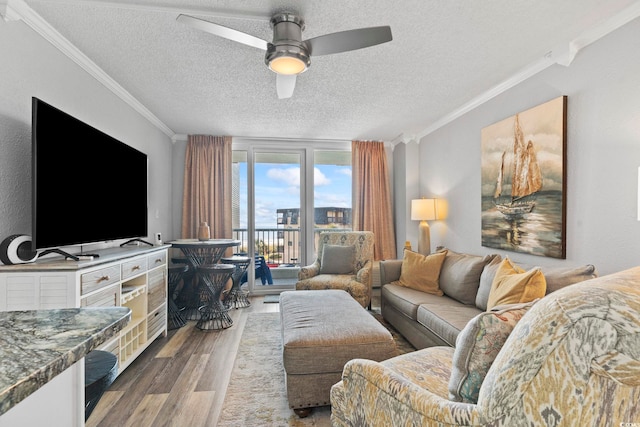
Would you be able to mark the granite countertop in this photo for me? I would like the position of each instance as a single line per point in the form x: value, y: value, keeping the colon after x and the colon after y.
x: 37, y: 345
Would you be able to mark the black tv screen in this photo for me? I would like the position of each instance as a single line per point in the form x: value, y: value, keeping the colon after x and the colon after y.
x: 88, y: 187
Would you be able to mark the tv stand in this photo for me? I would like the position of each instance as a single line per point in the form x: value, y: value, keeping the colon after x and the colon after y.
x: 60, y: 252
x: 134, y: 277
x: 135, y: 240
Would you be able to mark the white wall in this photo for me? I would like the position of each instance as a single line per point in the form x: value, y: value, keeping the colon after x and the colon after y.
x: 603, y: 152
x: 30, y: 66
x: 406, y: 185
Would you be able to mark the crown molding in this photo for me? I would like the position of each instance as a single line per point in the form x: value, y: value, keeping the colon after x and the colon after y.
x: 517, y: 78
x: 18, y: 9
x: 404, y: 139
x: 179, y: 137
x: 562, y: 55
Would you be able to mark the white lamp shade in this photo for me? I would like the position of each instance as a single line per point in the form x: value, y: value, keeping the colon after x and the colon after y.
x: 423, y: 209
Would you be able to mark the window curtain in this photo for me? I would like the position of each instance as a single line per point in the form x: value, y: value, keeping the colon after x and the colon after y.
x: 207, y: 186
x: 372, y: 196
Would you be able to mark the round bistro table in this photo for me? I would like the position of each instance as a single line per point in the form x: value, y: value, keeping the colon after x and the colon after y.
x: 197, y: 253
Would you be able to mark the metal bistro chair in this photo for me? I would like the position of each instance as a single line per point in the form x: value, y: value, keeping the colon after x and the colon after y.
x: 175, y: 319
x: 237, y: 297
x: 213, y: 314
x: 187, y: 297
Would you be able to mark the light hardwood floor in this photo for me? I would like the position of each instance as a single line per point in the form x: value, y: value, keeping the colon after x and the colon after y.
x: 180, y: 380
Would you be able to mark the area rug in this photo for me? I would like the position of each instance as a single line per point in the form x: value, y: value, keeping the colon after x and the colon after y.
x: 257, y: 395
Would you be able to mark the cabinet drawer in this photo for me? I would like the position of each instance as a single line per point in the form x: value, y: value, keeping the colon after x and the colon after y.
x: 156, y: 321
x: 108, y: 297
x: 157, y: 259
x: 134, y: 267
x: 97, y: 279
x: 157, y: 289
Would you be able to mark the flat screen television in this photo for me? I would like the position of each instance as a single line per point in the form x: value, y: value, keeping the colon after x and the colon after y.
x: 88, y: 187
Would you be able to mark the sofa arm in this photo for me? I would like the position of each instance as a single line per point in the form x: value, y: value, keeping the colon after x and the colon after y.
x: 309, y: 271
x: 390, y: 270
x: 377, y: 395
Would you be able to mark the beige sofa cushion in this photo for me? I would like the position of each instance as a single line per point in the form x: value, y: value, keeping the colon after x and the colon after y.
x: 407, y: 300
x: 446, y: 318
x: 460, y: 275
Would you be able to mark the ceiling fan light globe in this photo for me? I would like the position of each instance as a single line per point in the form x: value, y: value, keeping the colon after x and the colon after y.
x: 287, y: 65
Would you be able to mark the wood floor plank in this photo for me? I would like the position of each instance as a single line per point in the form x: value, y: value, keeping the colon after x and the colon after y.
x: 184, y: 387
x: 140, y: 365
x: 208, y: 341
x: 194, y: 412
x: 147, y: 411
x: 175, y: 367
x: 175, y: 342
x: 108, y: 400
x: 135, y: 391
x: 179, y: 380
x: 217, y: 373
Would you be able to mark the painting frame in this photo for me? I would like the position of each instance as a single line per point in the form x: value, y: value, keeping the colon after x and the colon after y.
x: 524, y: 181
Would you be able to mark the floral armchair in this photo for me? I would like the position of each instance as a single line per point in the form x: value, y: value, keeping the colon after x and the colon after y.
x: 344, y: 261
x: 572, y: 360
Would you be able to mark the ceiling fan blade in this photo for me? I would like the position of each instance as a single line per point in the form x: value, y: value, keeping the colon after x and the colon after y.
x: 222, y: 31
x: 344, y: 41
x: 285, y: 83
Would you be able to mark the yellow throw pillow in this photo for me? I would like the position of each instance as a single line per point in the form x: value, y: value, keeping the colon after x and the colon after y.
x: 513, y: 285
x: 422, y: 272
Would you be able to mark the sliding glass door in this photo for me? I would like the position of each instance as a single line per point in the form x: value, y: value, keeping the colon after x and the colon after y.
x: 277, y: 182
x: 283, y: 196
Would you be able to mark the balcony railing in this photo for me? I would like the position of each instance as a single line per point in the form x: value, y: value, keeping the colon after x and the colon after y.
x: 279, y: 246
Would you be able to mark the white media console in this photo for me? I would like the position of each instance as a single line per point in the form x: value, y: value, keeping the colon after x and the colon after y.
x: 134, y: 277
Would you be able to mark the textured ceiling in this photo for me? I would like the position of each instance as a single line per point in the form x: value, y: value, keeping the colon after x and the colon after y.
x: 444, y: 54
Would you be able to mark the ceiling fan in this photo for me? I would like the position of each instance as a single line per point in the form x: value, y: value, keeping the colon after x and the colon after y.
x: 288, y: 55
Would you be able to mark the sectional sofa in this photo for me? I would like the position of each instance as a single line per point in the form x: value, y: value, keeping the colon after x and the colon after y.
x: 428, y: 320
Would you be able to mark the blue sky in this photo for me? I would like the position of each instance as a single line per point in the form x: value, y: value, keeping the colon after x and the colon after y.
x: 278, y: 186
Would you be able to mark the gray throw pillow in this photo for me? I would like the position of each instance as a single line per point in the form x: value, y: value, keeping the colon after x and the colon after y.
x: 460, y: 275
x: 486, y: 279
x: 558, y: 278
x: 337, y: 259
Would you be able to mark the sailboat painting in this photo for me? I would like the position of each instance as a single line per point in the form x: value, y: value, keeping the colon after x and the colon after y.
x: 524, y: 181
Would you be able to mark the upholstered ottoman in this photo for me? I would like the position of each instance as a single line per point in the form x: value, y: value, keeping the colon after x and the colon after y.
x: 321, y: 331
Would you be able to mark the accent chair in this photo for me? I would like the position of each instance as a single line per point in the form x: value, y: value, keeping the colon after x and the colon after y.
x: 344, y: 261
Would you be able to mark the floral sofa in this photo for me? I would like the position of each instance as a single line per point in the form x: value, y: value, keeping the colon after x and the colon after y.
x: 571, y: 359
x: 434, y: 316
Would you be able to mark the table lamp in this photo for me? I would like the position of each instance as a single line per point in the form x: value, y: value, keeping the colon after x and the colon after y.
x: 423, y: 210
